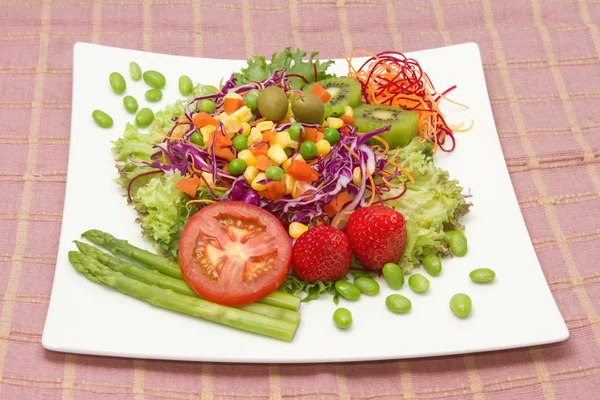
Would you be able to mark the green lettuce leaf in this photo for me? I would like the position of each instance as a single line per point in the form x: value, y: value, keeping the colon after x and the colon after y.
x: 295, y: 285
x: 431, y: 205
x: 259, y: 69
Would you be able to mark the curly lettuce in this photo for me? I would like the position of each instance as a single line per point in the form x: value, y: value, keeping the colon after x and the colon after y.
x: 431, y: 205
x: 259, y: 69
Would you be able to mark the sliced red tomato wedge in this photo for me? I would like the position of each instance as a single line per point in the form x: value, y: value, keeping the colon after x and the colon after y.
x: 234, y: 253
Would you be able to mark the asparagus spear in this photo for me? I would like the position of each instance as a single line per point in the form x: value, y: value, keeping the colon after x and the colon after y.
x: 170, y: 268
x: 235, y: 318
x: 178, y: 286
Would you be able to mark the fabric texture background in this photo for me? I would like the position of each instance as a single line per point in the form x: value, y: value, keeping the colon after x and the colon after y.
x: 542, y: 66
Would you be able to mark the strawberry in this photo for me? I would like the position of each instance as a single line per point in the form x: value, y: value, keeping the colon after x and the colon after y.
x: 322, y: 254
x: 377, y: 235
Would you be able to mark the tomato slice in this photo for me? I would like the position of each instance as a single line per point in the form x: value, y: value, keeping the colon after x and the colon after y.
x: 234, y: 253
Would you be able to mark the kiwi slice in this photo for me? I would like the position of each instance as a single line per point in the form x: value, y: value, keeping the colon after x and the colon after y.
x: 370, y: 117
x: 344, y: 91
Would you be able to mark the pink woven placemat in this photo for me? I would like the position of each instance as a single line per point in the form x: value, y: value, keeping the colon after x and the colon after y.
x: 542, y: 66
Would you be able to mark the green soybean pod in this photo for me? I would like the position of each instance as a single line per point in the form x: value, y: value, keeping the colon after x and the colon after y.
x: 144, y: 117
x: 458, y: 244
x: 482, y: 275
x: 135, y: 71
x: 130, y: 104
x: 155, y: 79
x: 461, y: 305
x: 398, y: 303
x: 153, y: 95
x: 117, y: 82
x: 432, y: 264
x: 367, y: 285
x: 102, y: 118
x: 418, y: 283
x: 342, y: 318
x: 347, y: 289
x: 185, y: 85
x: 393, y: 275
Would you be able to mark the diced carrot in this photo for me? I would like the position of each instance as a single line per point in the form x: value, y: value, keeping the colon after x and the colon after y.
x: 263, y: 162
x: 301, y: 188
x: 347, y: 119
x: 302, y: 171
x: 275, y: 189
x: 222, y: 139
x: 232, y: 104
x: 260, y: 149
x: 321, y: 93
x: 336, y: 204
x: 189, y: 186
x: 310, y: 134
x: 224, y: 152
x: 203, y: 119
x: 269, y: 136
x: 320, y: 136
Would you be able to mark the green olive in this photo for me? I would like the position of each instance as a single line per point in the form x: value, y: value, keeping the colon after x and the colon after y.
x: 308, y: 108
x: 272, y: 103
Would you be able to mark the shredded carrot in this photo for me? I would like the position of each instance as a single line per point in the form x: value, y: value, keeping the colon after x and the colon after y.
x: 372, y: 182
x: 187, y: 205
x: 256, y: 122
x: 385, y: 145
x: 404, y: 170
x: 350, y: 150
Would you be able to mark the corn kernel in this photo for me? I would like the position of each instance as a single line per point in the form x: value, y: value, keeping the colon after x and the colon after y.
x: 356, y: 176
x: 335, y: 123
x: 283, y: 139
x: 323, y: 147
x: 348, y: 111
x: 244, y: 114
x: 245, y: 128
x: 255, y: 136
x: 276, y: 154
x: 248, y: 157
x: 232, y: 123
x: 293, y: 144
x: 233, y: 95
x: 208, y: 177
x: 296, y: 229
x: 206, y: 131
x: 250, y: 173
x: 265, y: 126
x: 259, y: 186
x: 290, y: 183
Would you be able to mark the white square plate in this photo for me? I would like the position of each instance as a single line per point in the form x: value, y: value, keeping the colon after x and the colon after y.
x: 516, y: 310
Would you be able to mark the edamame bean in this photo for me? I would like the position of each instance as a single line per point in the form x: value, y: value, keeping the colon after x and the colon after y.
x: 207, y: 106
x: 398, y: 303
x: 155, y: 79
x: 432, y: 264
x: 130, y: 104
x: 394, y: 276
x: 204, y: 90
x: 135, y: 71
x: 144, y: 117
x: 347, y: 290
x: 185, y: 85
x: 418, y: 283
x: 482, y: 275
x: 448, y: 235
x: 117, y: 82
x: 366, y: 285
x: 102, y: 118
x: 458, y: 244
x: 342, y: 318
x: 153, y: 95
x: 461, y: 305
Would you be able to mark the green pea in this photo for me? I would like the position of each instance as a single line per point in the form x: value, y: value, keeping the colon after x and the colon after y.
x: 102, y: 118
x: 296, y: 130
x: 461, y: 305
x: 153, y: 95
x: 204, y: 90
x: 251, y: 99
x: 347, y: 289
x: 368, y: 286
x: 326, y: 110
x: 418, y: 283
x: 308, y: 150
x: 207, y: 106
x: 331, y: 135
x: 458, y: 244
x: 482, y: 275
x: 135, y: 71
x: 274, y: 173
x: 240, y: 142
x: 144, y: 117
x: 393, y: 275
x: 197, y: 139
x: 130, y: 104
x: 342, y: 318
x: 337, y: 111
x: 117, y: 82
x: 155, y: 79
x: 398, y: 303
x: 185, y: 85
x: 237, y: 166
x: 432, y: 264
